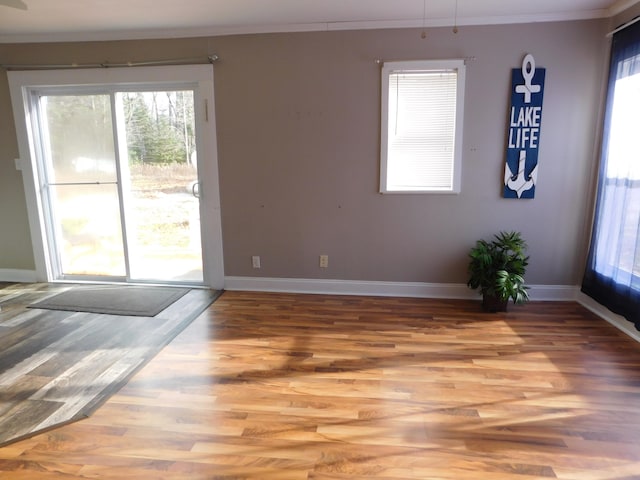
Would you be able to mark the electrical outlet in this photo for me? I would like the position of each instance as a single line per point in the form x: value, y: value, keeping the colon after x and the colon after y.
x: 324, y: 261
x: 255, y: 261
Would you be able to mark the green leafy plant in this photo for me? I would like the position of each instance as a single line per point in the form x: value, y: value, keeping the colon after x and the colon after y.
x: 497, y: 269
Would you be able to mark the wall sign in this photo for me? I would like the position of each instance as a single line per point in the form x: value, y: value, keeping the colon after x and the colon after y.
x: 525, y: 115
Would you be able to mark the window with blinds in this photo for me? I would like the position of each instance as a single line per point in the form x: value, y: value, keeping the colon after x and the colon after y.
x: 422, y: 108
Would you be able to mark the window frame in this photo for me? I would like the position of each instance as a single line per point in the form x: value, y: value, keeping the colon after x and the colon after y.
x: 610, y: 276
x: 388, y: 68
x: 608, y: 262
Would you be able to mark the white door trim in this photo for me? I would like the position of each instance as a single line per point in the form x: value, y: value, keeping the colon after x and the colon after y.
x: 21, y: 83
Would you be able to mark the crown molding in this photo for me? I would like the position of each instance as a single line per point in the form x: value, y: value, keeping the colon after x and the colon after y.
x: 168, y: 33
x: 620, y: 6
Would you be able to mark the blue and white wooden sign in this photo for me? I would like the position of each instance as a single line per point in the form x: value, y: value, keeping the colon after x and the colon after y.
x: 525, y: 116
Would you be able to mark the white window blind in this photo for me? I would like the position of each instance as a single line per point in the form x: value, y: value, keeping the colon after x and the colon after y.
x: 421, y: 130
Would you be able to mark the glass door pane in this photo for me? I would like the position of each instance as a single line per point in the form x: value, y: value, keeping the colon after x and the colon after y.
x: 89, y: 234
x: 160, y: 186
x: 81, y: 181
x: 121, y: 185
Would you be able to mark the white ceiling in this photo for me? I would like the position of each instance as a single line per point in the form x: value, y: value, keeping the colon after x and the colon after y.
x: 71, y: 20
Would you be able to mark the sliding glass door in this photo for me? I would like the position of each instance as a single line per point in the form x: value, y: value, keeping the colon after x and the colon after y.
x: 160, y: 185
x: 120, y: 184
x: 118, y: 166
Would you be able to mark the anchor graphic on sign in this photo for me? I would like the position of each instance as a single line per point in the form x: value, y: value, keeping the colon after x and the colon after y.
x: 518, y: 181
x: 528, y: 70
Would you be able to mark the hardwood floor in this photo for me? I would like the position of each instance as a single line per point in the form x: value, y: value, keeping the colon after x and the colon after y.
x: 275, y: 386
x: 59, y: 366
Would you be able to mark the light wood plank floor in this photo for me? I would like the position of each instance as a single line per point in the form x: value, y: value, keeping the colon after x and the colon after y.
x: 275, y: 386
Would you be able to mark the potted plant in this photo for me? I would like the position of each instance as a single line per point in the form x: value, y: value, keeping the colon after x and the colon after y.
x: 497, y: 268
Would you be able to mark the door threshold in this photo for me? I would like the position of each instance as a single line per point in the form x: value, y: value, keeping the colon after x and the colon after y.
x: 137, y: 283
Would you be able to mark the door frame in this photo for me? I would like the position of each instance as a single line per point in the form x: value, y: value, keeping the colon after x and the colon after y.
x: 24, y: 86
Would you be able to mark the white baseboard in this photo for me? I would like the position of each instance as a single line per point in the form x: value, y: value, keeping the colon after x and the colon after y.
x: 553, y: 293
x: 348, y: 287
x: 18, y: 276
x: 603, y: 312
x: 384, y: 289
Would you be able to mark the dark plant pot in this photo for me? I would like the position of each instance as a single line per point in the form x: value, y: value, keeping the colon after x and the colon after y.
x: 492, y: 304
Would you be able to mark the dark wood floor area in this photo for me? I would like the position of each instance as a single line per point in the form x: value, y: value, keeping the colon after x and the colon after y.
x: 275, y: 386
x: 57, y: 366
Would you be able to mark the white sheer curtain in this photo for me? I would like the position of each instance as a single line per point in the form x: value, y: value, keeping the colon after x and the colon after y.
x: 612, y: 275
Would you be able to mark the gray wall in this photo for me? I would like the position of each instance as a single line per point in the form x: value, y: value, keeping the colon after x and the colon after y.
x: 298, y: 133
x: 15, y: 240
x: 627, y: 15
